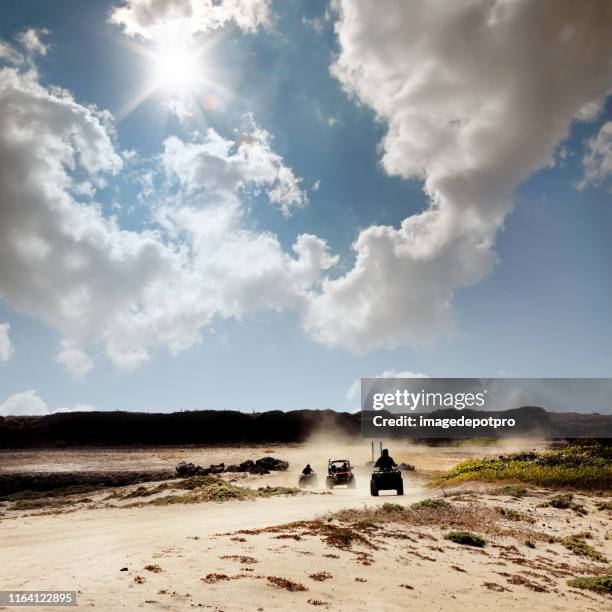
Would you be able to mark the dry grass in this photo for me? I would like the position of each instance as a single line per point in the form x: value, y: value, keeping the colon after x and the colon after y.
x: 534, y: 586
x: 240, y: 558
x: 214, y: 578
x: 321, y: 576
x: 514, y: 515
x: 284, y: 583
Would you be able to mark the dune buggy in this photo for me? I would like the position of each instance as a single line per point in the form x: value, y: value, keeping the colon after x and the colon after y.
x: 340, y: 472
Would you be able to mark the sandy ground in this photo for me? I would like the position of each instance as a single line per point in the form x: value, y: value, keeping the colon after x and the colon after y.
x: 86, y: 549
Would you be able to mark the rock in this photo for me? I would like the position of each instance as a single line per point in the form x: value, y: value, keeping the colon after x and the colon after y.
x: 234, y: 468
x: 217, y: 469
x: 123, y: 569
x: 252, y: 468
x: 406, y: 467
x: 270, y: 463
x: 190, y: 469
x: 257, y: 469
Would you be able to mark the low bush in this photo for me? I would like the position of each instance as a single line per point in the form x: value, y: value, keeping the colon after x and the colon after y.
x: 576, y: 543
x: 582, y: 465
x: 466, y: 538
x: 600, y: 584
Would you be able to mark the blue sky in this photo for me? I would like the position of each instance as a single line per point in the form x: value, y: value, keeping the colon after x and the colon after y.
x: 540, y: 309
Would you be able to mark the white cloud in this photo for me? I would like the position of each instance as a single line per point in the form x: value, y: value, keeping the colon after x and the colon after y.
x: 77, y: 408
x: 597, y: 162
x: 31, y: 40
x: 475, y: 96
x: 67, y: 264
x: 165, y: 19
x: 76, y: 361
x: 26, y: 403
x: 218, y: 166
x: 29, y: 403
x: 355, y: 388
x: 6, y: 346
x: 9, y: 55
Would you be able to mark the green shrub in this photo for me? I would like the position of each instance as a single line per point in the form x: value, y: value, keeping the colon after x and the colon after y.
x: 582, y: 465
x: 512, y: 490
x: 600, y: 584
x: 466, y: 538
x: 433, y: 503
x: 578, y: 546
x: 390, y: 508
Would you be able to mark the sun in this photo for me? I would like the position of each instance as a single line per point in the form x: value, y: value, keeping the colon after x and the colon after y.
x: 186, y: 75
x: 177, y: 69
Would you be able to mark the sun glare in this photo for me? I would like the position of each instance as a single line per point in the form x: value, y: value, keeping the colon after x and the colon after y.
x: 177, y: 69
x: 183, y: 74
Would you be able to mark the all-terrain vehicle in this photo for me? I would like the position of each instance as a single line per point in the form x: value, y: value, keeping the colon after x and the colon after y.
x: 340, y: 472
x: 308, y: 480
x: 383, y: 480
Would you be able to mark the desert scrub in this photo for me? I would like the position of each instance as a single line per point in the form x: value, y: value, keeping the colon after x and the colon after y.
x: 271, y: 491
x: 59, y: 492
x: 599, y: 584
x: 582, y: 465
x: 576, y: 543
x: 604, y: 505
x: 429, y: 513
x: 514, y: 515
x: 465, y: 537
x: 204, y: 489
x: 564, y: 501
x: 283, y: 583
x: 432, y: 503
x: 511, y: 490
x: 46, y: 504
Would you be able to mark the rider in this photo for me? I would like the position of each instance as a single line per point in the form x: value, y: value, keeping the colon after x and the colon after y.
x: 307, y: 470
x: 385, y: 461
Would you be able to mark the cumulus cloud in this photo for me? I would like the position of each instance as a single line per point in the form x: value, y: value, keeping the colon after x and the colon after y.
x: 29, y: 403
x: 475, y: 96
x: 74, y: 359
x: 597, y: 162
x: 219, y: 166
x: 26, y: 403
x: 6, y: 346
x: 355, y: 388
x: 66, y: 263
x: 172, y: 19
x: 77, y: 408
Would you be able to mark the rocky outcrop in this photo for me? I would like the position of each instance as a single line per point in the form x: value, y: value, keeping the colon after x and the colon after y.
x: 186, y: 469
x: 272, y: 464
x: 262, y: 466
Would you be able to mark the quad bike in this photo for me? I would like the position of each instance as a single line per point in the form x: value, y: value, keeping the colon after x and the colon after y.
x: 340, y: 472
x: 308, y: 480
x: 386, y: 479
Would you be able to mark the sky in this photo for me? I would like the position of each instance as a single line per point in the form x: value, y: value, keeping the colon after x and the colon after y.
x: 222, y: 204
